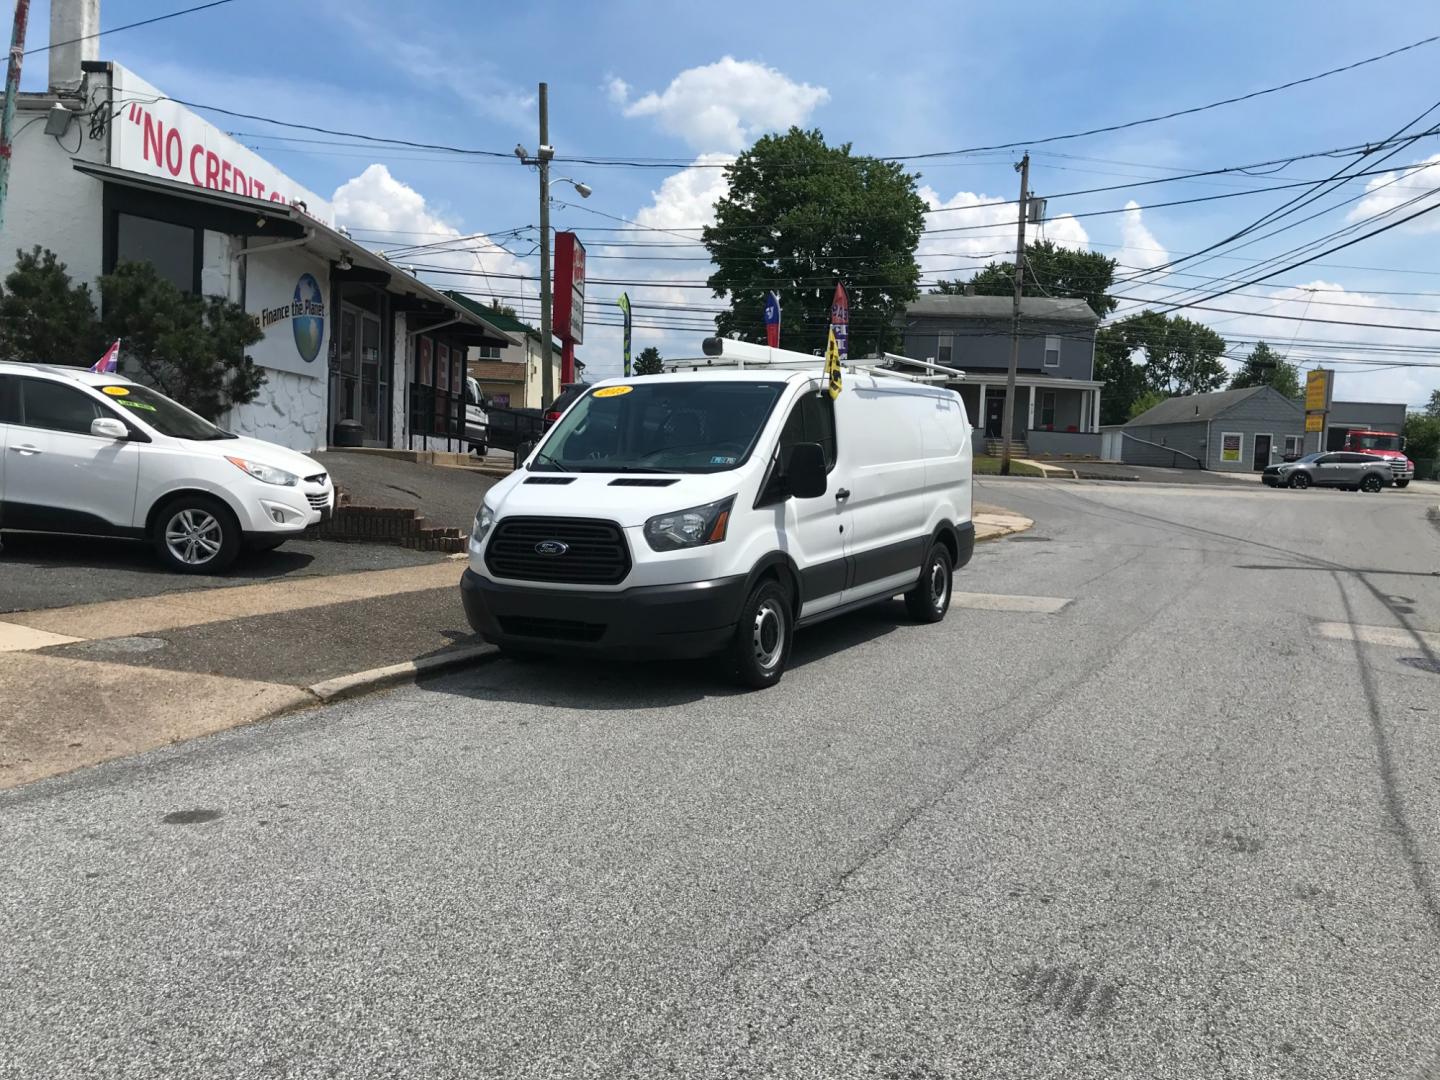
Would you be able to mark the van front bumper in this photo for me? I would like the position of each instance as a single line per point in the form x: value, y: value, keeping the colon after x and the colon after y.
x: 684, y: 621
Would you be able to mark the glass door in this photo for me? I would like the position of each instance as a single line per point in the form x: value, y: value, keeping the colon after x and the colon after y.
x: 374, y: 385
x: 349, y: 367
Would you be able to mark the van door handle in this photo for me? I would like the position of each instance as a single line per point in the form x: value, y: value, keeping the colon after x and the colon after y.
x: 28, y: 451
x: 842, y: 494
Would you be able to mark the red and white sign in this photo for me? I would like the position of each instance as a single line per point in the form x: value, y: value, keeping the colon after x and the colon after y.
x: 157, y: 137
x: 569, y: 288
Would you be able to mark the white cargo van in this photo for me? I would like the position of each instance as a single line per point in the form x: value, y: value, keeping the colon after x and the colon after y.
x: 715, y: 509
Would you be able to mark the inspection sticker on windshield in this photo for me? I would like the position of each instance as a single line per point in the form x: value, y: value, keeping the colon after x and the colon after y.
x: 115, y: 391
x: 136, y: 405
x: 613, y: 391
x: 722, y: 459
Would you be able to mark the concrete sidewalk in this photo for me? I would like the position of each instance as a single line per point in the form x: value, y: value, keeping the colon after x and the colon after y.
x: 86, y: 683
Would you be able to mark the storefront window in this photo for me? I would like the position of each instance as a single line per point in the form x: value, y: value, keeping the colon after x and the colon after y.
x: 168, y: 247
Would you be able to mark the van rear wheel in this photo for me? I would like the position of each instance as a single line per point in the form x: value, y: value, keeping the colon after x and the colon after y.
x: 928, y: 601
x: 761, y: 646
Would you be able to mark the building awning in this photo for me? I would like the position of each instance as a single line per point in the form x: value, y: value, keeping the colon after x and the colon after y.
x: 245, y: 216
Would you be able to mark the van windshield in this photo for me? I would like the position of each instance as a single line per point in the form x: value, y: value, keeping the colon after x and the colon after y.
x: 685, y: 427
x: 161, y: 413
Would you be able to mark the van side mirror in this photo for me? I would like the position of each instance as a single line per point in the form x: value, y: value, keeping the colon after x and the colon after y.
x: 107, y: 427
x: 805, y: 471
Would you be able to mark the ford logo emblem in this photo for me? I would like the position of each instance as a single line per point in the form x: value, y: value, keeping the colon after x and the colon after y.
x: 552, y: 547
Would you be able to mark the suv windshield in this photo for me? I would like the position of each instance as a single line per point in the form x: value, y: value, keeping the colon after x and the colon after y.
x: 159, y: 412
x: 689, y: 427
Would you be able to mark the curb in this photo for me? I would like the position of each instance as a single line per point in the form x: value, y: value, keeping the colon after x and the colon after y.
x: 363, y: 682
x: 999, y: 532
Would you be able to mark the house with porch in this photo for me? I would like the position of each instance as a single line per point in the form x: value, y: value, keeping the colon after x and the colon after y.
x: 1057, y: 398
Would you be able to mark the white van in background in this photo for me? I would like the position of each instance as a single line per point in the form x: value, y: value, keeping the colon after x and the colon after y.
x: 477, y: 423
x: 715, y: 510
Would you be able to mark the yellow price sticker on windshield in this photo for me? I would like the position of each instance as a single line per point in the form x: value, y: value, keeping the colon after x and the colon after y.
x: 115, y: 391
x: 613, y: 391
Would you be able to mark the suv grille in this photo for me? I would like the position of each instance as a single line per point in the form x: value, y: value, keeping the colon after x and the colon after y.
x: 317, y: 502
x: 594, y: 552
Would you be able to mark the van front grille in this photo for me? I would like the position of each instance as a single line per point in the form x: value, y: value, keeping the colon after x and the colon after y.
x: 553, y: 629
x: 577, y: 551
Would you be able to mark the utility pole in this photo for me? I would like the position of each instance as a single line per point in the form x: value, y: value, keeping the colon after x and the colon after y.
x: 543, y: 156
x: 12, y: 91
x: 1007, y: 428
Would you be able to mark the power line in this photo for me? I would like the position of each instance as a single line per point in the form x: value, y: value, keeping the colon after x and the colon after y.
x: 127, y: 26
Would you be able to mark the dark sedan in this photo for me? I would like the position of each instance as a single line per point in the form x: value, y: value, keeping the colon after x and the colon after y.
x: 1338, y: 469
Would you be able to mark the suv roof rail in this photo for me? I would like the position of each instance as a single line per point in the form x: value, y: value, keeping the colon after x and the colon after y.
x: 728, y: 353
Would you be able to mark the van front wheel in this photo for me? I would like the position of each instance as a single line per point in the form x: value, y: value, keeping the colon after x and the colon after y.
x: 928, y: 601
x: 761, y: 647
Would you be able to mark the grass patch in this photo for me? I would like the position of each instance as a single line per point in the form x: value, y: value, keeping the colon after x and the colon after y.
x: 985, y: 465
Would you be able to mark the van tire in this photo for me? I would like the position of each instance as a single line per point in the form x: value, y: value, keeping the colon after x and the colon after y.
x: 216, y: 525
x: 929, y: 600
x: 763, y: 637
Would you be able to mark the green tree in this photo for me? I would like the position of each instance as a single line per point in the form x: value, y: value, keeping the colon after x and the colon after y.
x: 648, y: 362
x: 1265, y: 367
x: 1050, y: 270
x: 1422, y: 436
x: 1145, y: 402
x: 44, y: 317
x: 1124, y: 380
x: 1432, y: 407
x: 800, y: 216
x: 1181, y: 356
x: 191, y: 348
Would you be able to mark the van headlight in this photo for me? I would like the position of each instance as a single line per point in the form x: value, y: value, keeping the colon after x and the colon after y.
x: 689, y: 528
x: 483, y: 521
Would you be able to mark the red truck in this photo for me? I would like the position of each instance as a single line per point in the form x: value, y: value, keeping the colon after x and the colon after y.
x: 1383, y: 444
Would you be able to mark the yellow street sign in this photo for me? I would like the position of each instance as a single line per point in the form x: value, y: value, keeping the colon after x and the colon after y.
x: 1317, y: 390
x: 1315, y: 421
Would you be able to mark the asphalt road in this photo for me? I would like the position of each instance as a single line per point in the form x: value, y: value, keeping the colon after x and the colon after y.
x: 1181, y: 827
x: 39, y: 571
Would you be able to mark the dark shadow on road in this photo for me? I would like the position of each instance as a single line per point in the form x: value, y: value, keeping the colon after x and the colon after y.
x: 583, y: 683
x: 137, y: 556
x: 1345, y: 570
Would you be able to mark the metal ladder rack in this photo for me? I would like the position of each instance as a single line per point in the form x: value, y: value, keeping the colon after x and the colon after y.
x: 739, y: 355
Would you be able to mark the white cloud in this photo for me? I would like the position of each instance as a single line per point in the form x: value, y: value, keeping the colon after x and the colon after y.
x: 687, y: 198
x: 1393, y: 190
x: 1140, y: 248
x: 395, y: 215
x: 725, y: 105
x: 983, y: 231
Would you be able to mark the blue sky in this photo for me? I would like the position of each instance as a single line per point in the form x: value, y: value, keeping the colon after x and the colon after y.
x: 652, y: 80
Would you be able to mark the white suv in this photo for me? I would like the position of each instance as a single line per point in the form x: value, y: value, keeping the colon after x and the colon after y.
x: 97, y: 454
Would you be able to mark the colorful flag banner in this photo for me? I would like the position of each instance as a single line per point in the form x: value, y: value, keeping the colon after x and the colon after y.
x: 109, y: 364
x: 840, y: 321
x: 772, y: 319
x: 832, y: 364
x: 624, y: 305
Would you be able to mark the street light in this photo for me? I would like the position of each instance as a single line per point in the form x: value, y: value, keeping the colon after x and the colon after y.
x: 541, y: 161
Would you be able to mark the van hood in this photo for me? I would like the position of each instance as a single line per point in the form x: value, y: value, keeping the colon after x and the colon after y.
x: 268, y: 453
x: 628, y: 499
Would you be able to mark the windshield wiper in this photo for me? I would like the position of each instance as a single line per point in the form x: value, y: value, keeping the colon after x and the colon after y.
x: 542, y: 456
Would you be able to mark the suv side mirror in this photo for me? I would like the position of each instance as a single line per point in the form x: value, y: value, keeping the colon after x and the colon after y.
x: 805, y: 471
x: 107, y: 427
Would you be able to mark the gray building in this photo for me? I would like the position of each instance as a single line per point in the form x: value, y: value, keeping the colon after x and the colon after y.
x: 1228, y: 431
x: 1347, y: 416
x: 1057, y: 400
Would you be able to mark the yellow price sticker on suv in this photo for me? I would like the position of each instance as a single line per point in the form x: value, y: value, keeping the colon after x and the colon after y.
x: 115, y: 391
x: 613, y: 391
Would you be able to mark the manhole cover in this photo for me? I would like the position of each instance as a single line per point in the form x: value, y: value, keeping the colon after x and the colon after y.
x: 119, y: 646
x: 190, y: 817
x: 1422, y: 663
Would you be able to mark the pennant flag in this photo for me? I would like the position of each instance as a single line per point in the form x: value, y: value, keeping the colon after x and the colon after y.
x: 840, y: 321
x: 109, y: 364
x: 624, y: 305
x: 772, y: 319
x: 832, y: 364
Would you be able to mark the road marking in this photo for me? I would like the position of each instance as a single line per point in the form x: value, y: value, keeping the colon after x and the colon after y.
x: 17, y: 638
x: 1040, y: 605
x: 1394, y: 637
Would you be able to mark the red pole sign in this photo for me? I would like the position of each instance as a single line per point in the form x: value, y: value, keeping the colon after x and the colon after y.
x: 569, y: 303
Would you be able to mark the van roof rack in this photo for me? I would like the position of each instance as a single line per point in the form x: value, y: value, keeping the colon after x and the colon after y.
x: 728, y: 353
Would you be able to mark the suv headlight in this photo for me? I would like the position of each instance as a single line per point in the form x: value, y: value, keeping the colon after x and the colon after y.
x: 266, y: 474
x: 689, y: 528
x: 483, y: 521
